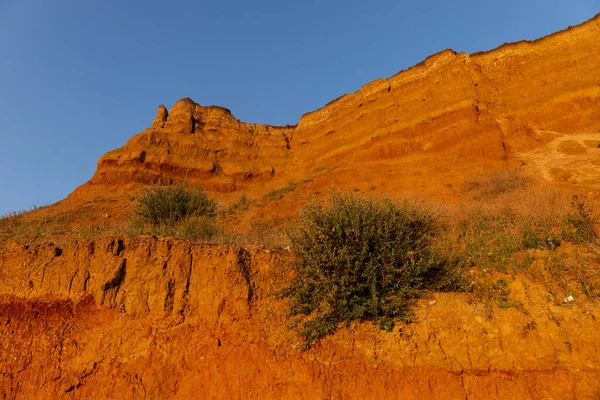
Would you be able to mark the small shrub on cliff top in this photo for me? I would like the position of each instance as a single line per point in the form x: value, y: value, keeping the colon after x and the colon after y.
x: 361, y: 259
x: 170, y: 204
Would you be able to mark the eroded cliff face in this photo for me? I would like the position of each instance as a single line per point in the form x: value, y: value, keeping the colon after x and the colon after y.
x: 450, y: 110
x: 197, y: 143
x: 158, y: 318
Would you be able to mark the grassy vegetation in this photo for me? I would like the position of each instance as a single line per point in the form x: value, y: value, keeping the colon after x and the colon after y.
x: 277, y: 194
x: 548, y: 235
x: 180, y: 211
x: 193, y: 228
x: 496, y: 182
x: 489, y: 237
x: 9, y: 223
x: 362, y: 259
x: 54, y: 227
x: 241, y: 204
x: 167, y: 205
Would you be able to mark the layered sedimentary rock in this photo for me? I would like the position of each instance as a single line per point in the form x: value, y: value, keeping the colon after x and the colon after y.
x: 485, y: 107
x: 197, y: 143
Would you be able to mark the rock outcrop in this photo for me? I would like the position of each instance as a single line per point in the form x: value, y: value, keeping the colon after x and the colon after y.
x: 197, y: 143
x: 161, y: 117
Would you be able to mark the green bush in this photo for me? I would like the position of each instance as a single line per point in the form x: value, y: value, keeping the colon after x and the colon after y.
x: 170, y: 204
x: 361, y: 259
x: 198, y: 228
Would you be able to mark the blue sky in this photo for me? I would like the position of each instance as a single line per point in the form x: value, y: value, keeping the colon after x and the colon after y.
x: 79, y: 78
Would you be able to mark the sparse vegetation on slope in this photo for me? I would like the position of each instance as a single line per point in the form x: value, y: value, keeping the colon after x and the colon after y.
x: 548, y: 235
x: 494, y: 183
x: 489, y: 237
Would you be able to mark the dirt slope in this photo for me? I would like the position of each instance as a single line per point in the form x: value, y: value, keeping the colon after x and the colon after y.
x: 146, y: 318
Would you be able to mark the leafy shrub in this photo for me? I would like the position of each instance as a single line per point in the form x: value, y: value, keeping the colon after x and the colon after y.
x: 169, y: 204
x: 358, y: 259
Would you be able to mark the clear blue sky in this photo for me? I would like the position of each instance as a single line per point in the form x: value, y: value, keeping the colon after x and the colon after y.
x: 79, y: 78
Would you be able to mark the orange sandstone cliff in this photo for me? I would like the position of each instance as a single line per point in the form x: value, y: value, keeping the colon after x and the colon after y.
x: 451, y: 110
x: 145, y: 317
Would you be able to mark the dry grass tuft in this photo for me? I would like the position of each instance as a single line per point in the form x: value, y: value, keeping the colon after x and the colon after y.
x: 491, y: 184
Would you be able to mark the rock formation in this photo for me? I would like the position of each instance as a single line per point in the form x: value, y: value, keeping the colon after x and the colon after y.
x: 451, y: 109
x: 161, y: 117
x: 197, y: 143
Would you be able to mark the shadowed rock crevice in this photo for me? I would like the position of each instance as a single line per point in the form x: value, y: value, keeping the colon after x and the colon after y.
x: 169, y: 298
x: 110, y: 290
x: 117, y: 247
x: 244, y: 263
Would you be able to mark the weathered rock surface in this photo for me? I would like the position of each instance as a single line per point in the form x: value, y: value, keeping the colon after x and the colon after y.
x: 156, y: 318
x: 450, y: 110
x: 197, y: 143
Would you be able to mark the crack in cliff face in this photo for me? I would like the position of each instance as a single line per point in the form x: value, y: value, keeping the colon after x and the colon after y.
x: 61, y: 345
x: 110, y: 290
x: 188, y: 279
x: 71, y: 281
x: 86, y: 281
x: 117, y: 247
x: 462, y: 382
x: 169, y: 297
x: 479, y: 83
x: 82, y: 377
x: 244, y: 265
